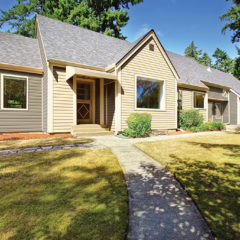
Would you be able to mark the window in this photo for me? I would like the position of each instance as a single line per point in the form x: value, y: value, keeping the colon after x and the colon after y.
x: 150, y: 93
x: 199, y: 100
x: 14, y: 91
x: 179, y: 99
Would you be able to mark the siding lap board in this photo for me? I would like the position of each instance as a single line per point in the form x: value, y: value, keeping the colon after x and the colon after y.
x: 62, y: 101
x: 24, y: 120
x: 150, y: 64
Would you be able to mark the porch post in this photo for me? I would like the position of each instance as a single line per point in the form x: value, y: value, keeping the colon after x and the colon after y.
x: 101, y: 101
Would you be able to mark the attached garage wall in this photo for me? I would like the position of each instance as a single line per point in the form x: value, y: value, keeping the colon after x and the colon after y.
x: 63, y: 114
x: 24, y: 120
x: 151, y: 64
x: 187, y: 102
x: 225, y: 113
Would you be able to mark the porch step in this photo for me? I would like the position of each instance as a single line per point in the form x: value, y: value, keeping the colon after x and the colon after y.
x: 87, y: 134
x: 87, y: 130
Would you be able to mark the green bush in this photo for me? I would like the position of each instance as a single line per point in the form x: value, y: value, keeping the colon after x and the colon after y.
x: 190, y: 118
x: 139, y: 125
x: 209, y: 126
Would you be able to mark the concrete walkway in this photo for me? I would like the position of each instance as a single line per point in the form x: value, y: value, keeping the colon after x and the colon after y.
x: 159, y: 208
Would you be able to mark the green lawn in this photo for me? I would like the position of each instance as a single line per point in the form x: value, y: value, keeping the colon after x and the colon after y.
x: 209, y: 169
x: 64, y: 194
x: 11, y: 144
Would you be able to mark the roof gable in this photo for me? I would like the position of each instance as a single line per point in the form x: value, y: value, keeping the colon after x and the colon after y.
x: 139, y: 43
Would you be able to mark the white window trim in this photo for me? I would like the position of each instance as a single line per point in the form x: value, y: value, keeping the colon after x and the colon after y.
x: 2, y: 92
x: 205, y: 100
x: 164, y: 95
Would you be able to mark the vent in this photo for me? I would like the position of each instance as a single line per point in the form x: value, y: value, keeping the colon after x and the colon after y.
x: 151, y: 47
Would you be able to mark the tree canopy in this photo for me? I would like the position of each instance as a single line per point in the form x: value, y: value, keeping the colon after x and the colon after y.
x: 191, y: 51
x: 223, y: 62
x: 220, y: 61
x: 232, y: 17
x: 205, y: 59
x: 105, y: 16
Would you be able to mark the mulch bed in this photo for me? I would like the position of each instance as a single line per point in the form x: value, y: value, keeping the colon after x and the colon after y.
x: 27, y: 136
x: 179, y: 133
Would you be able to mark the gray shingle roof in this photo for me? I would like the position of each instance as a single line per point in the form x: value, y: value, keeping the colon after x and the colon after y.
x: 63, y: 41
x: 19, y: 50
x: 192, y: 73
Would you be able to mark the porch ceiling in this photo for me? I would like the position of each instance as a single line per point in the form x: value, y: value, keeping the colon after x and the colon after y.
x: 71, y: 71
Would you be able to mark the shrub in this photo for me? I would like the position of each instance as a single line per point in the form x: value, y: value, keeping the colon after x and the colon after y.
x: 139, y: 125
x: 209, y: 126
x: 190, y: 118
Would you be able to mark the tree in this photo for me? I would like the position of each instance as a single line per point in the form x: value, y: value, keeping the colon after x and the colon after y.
x: 105, y: 16
x: 233, y: 19
x: 236, y: 69
x: 205, y: 59
x: 222, y: 61
x: 191, y: 51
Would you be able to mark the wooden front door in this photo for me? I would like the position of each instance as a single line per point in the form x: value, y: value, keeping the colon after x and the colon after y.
x: 85, y: 101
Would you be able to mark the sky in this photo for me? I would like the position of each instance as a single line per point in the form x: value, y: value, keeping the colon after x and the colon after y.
x: 177, y: 23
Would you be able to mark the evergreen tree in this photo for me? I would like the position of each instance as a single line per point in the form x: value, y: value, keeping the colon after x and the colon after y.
x: 205, y: 59
x: 236, y: 69
x: 233, y: 19
x: 107, y: 17
x: 191, y: 51
x: 222, y: 61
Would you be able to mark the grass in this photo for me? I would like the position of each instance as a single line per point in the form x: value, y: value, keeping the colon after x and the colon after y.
x: 209, y: 169
x: 64, y: 194
x: 41, y: 142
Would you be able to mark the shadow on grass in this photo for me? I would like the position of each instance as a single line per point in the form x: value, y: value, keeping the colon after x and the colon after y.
x: 44, y: 196
x: 160, y: 208
x: 233, y: 149
x: 214, y: 188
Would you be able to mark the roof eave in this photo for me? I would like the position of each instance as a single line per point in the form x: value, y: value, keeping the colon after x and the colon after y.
x: 73, y: 64
x: 19, y: 68
x: 192, y: 87
x: 215, y: 85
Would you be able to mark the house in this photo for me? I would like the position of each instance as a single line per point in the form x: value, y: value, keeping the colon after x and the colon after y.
x: 68, y: 76
x: 216, y: 94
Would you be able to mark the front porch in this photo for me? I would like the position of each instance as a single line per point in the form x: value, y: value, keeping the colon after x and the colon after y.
x: 94, y: 104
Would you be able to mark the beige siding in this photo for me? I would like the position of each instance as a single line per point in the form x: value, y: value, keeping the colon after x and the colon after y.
x: 62, y: 101
x: 45, y: 82
x: 146, y: 63
x: 24, y: 120
x: 187, y: 102
x: 187, y: 99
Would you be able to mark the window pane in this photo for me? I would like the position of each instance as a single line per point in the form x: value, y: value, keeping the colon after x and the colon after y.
x: 199, y: 100
x: 15, y: 92
x: 148, y: 93
x: 83, y: 91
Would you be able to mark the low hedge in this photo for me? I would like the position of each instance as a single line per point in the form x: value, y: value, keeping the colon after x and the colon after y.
x: 209, y: 126
x: 139, y: 125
